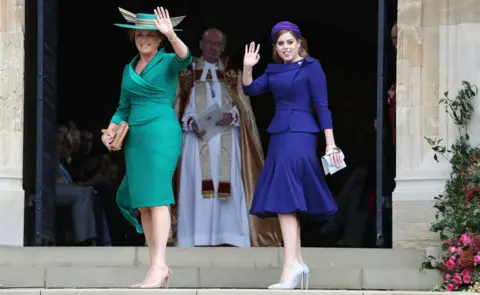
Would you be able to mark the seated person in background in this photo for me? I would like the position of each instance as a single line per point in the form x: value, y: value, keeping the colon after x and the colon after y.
x: 79, y: 199
x: 87, y: 211
x: 80, y: 152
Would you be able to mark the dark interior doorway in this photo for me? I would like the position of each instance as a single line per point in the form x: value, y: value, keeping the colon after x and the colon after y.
x: 91, y: 54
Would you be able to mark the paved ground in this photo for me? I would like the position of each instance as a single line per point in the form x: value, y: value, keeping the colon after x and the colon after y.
x: 204, y: 292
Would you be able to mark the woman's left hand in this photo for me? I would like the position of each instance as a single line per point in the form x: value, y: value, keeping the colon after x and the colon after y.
x: 163, y: 22
x: 334, y: 153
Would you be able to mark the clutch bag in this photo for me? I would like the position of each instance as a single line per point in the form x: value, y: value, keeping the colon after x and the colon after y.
x: 118, y: 134
x: 329, y: 168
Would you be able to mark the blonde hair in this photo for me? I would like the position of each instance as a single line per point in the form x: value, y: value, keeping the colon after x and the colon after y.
x: 131, y: 36
x: 302, y: 51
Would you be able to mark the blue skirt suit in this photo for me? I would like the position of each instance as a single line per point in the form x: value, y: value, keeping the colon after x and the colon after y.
x: 292, y: 179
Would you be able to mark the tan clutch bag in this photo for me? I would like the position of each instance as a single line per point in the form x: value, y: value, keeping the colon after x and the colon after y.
x: 118, y: 135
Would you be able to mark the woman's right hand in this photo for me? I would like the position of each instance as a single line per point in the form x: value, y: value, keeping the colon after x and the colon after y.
x: 252, y: 55
x: 107, y: 141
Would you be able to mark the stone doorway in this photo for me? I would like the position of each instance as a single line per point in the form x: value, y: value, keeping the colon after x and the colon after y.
x: 28, y: 146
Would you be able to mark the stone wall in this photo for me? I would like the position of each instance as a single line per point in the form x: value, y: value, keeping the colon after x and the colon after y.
x: 438, y: 47
x: 11, y: 121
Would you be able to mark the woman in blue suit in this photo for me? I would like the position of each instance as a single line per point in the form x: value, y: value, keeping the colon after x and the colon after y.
x: 292, y: 180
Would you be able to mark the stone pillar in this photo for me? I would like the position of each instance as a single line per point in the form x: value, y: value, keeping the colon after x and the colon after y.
x: 12, y: 196
x: 437, y: 42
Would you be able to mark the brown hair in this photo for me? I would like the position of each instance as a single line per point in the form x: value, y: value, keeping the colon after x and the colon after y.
x: 302, y: 51
x: 131, y: 36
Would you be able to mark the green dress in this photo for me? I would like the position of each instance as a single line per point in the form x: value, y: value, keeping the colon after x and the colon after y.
x: 154, y: 140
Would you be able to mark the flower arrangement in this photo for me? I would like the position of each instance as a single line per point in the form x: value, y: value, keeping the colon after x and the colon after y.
x: 458, y: 207
x: 461, y: 263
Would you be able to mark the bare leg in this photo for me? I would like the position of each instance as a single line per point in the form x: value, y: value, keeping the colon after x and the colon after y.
x: 290, y: 233
x: 161, y: 229
x: 299, y: 245
x: 146, y: 214
x: 147, y: 225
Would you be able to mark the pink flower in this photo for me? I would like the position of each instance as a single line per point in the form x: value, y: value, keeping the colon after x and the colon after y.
x: 476, y: 258
x: 466, y: 272
x: 459, y: 250
x: 467, y: 279
x: 465, y: 239
x: 452, y: 258
x: 457, y: 279
x: 452, y: 249
x: 450, y: 264
x: 447, y: 277
x: 450, y: 287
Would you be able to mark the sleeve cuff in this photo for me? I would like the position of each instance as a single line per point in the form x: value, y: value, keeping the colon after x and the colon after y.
x: 187, y: 124
x: 236, y: 118
x: 247, y: 89
x: 116, y: 120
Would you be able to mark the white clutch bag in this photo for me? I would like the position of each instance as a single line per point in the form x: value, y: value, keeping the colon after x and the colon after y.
x: 329, y: 168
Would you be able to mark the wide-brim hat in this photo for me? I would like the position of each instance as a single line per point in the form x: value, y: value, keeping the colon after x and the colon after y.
x: 145, y: 21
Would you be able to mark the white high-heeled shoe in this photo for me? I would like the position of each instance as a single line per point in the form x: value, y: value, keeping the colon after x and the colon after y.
x: 295, y: 276
x: 305, y: 276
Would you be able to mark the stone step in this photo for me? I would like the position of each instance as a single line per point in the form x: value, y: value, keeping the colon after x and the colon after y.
x: 386, y: 278
x: 205, y: 292
x: 209, y: 257
x: 248, y: 268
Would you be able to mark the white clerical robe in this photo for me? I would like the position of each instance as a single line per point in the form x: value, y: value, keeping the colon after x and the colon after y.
x: 210, y: 221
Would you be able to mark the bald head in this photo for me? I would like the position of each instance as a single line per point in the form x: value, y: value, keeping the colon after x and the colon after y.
x: 212, y: 33
x: 212, y: 44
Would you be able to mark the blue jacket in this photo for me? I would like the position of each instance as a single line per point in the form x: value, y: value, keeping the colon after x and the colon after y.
x: 295, y: 87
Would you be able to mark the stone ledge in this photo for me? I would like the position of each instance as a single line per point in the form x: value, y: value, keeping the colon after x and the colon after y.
x: 206, y: 292
x: 208, y: 257
x: 114, y: 277
x: 118, y: 267
x: 400, y: 279
x: 219, y: 277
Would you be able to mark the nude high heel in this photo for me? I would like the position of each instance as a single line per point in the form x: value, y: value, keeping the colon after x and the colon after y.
x: 135, y: 286
x: 159, y: 285
x: 167, y: 278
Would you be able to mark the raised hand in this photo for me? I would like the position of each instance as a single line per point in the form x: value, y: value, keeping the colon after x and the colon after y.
x: 252, y: 55
x: 163, y: 22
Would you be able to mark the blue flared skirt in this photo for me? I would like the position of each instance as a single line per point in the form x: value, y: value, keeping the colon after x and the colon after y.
x: 292, y: 179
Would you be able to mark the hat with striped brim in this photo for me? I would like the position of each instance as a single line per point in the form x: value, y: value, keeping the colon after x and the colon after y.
x: 145, y: 21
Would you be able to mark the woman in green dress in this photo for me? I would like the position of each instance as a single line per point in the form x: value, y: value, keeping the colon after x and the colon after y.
x: 154, y: 140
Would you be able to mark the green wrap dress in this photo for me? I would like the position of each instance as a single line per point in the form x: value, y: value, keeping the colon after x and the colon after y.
x: 154, y: 140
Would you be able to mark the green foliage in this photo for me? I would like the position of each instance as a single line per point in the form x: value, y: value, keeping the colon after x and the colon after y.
x: 458, y: 207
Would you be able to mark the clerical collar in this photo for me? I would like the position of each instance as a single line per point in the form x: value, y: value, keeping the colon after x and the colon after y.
x: 209, y: 65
